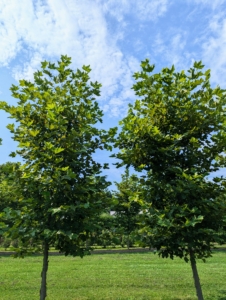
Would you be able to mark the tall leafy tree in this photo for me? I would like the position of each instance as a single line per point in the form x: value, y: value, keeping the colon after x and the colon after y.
x: 105, y: 230
x: 126, y: 210
x: 9, y: 189
x: 176, y: 134
x: 63, y: 188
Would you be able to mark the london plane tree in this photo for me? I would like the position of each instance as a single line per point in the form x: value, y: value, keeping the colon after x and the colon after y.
x: 62, y: 186
x: 125, y: 211
x: 176, y: 134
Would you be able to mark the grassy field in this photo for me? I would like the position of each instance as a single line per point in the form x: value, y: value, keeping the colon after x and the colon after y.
x: 137, y: 276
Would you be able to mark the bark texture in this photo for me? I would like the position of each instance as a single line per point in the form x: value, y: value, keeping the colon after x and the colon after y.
x: 196, y: 277
x: 43, y: 288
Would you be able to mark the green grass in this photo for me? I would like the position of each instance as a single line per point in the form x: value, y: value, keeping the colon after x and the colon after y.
x: 135, y: 276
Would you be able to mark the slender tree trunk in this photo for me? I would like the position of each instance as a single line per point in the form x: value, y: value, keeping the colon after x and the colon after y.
x: 121, y: 240
x: 128, y: 241
x: 44, y: 271
x: 196, y: 277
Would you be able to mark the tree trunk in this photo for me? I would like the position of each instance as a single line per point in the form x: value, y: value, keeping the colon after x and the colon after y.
x: 196, y: 277
x: 128, y: 242
x: 44, y: 271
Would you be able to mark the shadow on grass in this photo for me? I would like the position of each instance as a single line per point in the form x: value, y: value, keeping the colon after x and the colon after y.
x: 223, y: 296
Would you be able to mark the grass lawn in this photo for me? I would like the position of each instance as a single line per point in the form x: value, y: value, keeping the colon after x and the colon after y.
x: 112, y: 276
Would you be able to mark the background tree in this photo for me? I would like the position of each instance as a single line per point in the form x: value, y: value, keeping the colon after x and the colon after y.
x: 62, y: 186
x: 126, y: 211
x: 9, y: 193
x: 8, y: 183
x: 176, y: 134
x: 103, y: 229
x: 105, y: 234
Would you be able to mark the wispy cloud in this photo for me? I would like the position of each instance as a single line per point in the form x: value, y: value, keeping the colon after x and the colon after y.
x: 151, y: 10
x: 142, y: 9
x: 45, y: 31
x: 213, y: 4
x: 38, y: 30
x: 214, y: 48
x: 173, y: 49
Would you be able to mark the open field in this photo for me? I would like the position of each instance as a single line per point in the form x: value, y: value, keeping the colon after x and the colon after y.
x: 132, y: 276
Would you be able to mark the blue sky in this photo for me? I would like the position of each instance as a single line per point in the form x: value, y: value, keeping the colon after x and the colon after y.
x: 113, y: 36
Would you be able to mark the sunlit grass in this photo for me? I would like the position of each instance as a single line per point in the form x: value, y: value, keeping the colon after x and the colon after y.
x: 112, y: 276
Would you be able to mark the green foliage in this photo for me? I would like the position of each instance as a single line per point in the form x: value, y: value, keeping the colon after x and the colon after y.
x: 127, y: 206
x: 6, y: 243
x: 62, y: 185
x: 104, y: 230
x: 9, y: 191
x: 176, y: 134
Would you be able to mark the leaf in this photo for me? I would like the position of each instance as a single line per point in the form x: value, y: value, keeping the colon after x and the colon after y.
x: 65, y: 168
x: 12, y: 154
x: 198, y: 65
x: 86, y: 68
x: 58, y: 150
x: 11, y: 127
x: 60, y: 232
x: 44, y: 64
x: 51, y: 105
x: 55, y: 210
x: 34, y: 133
x: 48, y: 233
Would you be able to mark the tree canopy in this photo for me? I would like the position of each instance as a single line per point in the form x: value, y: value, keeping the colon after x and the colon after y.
x: 176, y: 134
x: 61, y: 182
x: 126, y: 210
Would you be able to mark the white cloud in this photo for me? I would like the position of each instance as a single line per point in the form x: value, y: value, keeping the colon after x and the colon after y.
x: 142, y: 9
x: 151, y: 10
x: 214, y: 4
x: 32, y: 31
x: 173, y: 49
x: 116, y: 8
x: 79, y: 29
x: 214, y: 49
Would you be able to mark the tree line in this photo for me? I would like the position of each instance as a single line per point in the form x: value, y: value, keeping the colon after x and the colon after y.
x: 173, y: 136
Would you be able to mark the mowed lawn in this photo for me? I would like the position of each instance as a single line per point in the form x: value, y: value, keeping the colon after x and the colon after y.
x: 112, y: 276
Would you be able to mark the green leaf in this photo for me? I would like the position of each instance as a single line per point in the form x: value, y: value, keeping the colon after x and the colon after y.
x: 44, y: 64
x: 12, y: 154
x: 51, y: 105
x: 58, y: 150
x: 34, y: 133
x: 11, y: 127
x: 65, y: 168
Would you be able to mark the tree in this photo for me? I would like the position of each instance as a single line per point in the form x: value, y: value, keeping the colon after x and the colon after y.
x: 126, y: 211
x: 62, y: 186
x: 175, y: 133
x: 9, y: 191
x: 9, y: 188
x: 2, y: 224
x: 105, y: 230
